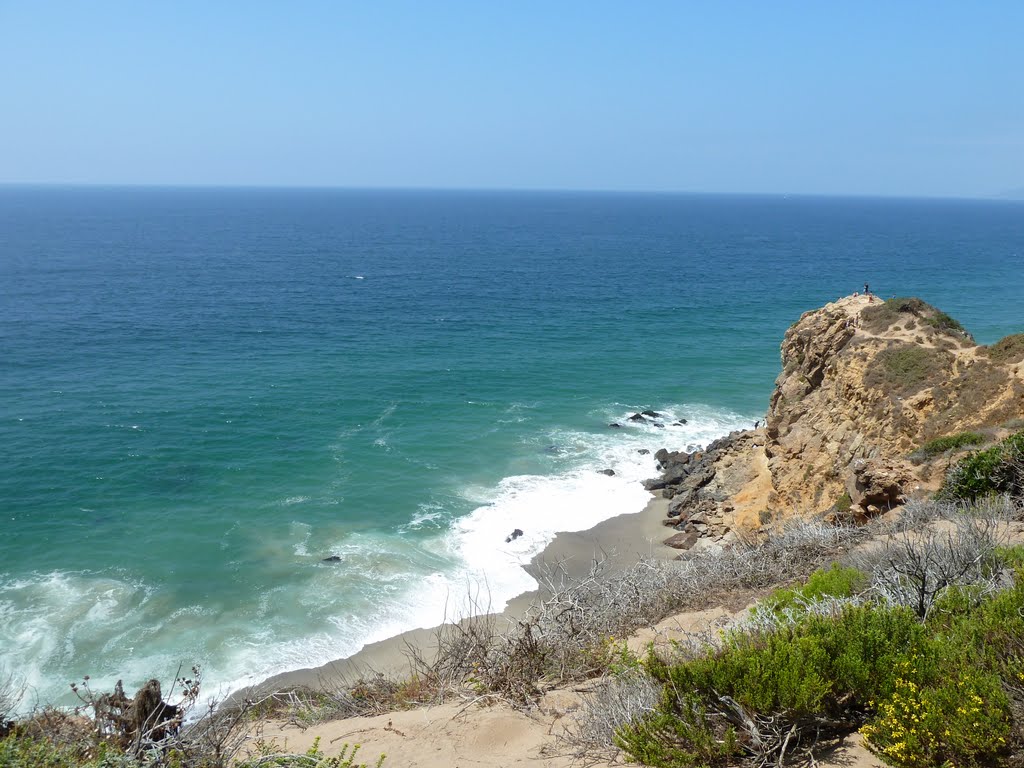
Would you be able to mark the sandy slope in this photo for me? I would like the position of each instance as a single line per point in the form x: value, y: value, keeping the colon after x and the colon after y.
x: 493, y: 734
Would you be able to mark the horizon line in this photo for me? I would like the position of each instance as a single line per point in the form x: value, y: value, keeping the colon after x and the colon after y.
x: 996, y: 197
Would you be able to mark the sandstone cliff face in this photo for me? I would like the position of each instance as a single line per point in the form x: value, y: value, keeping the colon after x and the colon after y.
x: 864, y: 384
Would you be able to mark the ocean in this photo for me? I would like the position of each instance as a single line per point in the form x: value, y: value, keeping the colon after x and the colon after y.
x: 255, y: 429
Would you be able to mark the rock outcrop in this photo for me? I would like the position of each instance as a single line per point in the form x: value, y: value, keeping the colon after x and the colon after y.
x: 864, y: 384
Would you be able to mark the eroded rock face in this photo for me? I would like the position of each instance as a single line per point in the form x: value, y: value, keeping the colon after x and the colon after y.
x: 863, y: 384
x: 878, y: 485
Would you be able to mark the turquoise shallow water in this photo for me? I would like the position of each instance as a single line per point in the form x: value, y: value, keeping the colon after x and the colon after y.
x: 204, y: 393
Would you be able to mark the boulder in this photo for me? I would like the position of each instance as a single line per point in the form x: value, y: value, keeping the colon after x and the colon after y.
x: 609, y: 472
x: 513, y: 536
x: 643, y: 451
x: 682, y: 540
x: 878, y: 483
x: 637, y: 417
x: 651, y: 414
x: 331, y: 559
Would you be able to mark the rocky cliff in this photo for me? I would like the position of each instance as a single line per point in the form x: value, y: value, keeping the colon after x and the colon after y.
x: 865, y: 385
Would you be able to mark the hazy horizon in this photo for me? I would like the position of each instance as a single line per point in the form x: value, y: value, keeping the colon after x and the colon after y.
x: 872, y: 99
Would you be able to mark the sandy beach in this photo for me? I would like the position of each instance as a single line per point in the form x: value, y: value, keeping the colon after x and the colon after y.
x: 618, y: 541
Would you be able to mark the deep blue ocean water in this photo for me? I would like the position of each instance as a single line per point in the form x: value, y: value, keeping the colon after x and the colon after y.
x: 206, y: 392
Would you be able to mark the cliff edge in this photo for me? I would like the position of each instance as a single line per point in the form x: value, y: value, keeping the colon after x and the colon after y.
x: 865, y: 386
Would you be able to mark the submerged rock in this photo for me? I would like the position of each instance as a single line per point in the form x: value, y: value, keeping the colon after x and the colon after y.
x: 514, y: 535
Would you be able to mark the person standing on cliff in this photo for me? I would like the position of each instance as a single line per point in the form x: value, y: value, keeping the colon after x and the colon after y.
x: 867, y: 290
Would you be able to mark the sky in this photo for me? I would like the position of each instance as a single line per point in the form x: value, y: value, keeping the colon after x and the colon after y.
x: 864, y: 98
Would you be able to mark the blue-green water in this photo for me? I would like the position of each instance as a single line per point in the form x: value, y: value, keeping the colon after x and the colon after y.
x: 204, y: 393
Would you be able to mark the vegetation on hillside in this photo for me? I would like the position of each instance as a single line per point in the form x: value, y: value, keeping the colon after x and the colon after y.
x: 1009, y: 349
x: 948, y: 443
x: 917, y: 643
x: 995, y: 470
x: 912, y: 313
x: 919, y: 648
x: 903, y: 369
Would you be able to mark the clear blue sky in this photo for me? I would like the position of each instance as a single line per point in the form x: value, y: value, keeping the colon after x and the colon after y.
x: 891, y: 98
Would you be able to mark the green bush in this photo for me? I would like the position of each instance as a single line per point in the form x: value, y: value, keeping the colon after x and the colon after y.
x: 951, y: 442
x: 960, y: 721
x: 999, y: 469
x: 29, y: 751
x: 922, y: 693
x: 944, y: 322
x: 821, y: 670
x: 837, y: 581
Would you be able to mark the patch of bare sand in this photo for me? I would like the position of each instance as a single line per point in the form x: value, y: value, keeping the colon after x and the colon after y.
x: 445, y: 736
x: 491, y: 734
x: 486, y: 732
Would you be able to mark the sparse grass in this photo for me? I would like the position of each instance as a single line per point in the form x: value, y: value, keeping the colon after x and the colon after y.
x: 1009, y: 349
x: 269, y: 754
x: 982, y: 393
x: 881, y: 317
x: 904, y: 369
x: 843, y: 505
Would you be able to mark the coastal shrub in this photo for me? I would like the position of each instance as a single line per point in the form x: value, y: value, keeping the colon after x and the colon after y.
x: 943, y: 322
x: 922, y: 694
x: 999, y: 469
x: 567, y: 634
x: 904, y: 369
x: 836, y: 581
x: 1009, y: 349
x: 964, y: 716
x: 763, y: 695
x: 914, y: 568
x: 20, y: 751
x: 962, y: 720
x: 951, y: 442
x: 926, y: 686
